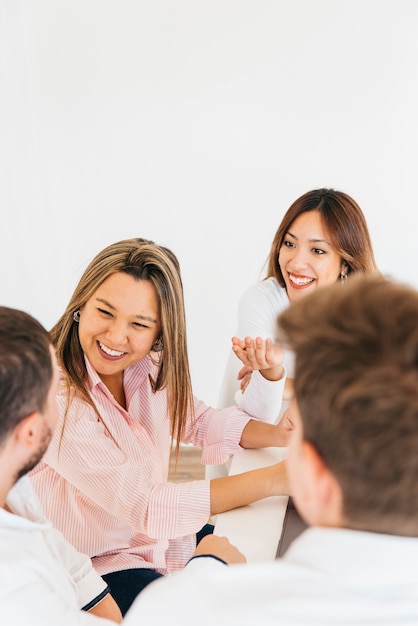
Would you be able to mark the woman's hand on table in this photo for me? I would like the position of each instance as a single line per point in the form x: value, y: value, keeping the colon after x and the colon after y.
x: 220, y: 547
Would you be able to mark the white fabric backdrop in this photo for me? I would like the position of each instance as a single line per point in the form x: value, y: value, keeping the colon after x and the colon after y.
x: 196, y: 124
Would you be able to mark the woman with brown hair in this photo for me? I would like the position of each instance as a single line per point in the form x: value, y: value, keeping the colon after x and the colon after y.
x: 323, y: 238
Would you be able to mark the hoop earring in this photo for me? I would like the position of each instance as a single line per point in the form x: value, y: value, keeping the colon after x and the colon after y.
x: 158, y: 345
x: 76, y: 316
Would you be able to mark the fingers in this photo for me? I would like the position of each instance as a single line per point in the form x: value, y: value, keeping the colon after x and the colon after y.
x: 287, y: 420
x: 258, y: 353
x: 244, y: 375
x: 244, y: 371
x: 221, y: 547
x: 246, y: 351
x: 245, y: 382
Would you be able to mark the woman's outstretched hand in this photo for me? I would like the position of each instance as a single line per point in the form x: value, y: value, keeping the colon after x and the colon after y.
x: 258, y: 354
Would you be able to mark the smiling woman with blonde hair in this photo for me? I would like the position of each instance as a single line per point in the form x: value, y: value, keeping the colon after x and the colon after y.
x: 126, y: 395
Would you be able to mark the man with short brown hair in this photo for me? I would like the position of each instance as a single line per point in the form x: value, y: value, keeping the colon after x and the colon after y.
x: 353, y: 473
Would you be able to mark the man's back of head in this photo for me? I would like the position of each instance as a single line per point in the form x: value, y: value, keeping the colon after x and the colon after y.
x: 356, y: 386
x: 26, y: 368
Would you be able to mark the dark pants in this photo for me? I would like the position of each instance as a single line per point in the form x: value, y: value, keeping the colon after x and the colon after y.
x: 128, y: 583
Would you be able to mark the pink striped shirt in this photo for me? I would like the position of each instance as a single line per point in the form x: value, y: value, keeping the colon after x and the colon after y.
x: 112, y: 500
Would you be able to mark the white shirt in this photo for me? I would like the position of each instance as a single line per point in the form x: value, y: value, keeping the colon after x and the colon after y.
x: 328, y: 577
x: 44, y: 581
x: 258, y: 310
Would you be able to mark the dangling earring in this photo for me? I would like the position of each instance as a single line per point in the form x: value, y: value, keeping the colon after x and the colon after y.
x: 344, y: 272
x: 158, y: 345
x: 76, y: 316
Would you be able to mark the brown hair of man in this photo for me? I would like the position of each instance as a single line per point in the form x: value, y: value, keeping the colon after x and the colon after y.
x: 25, y: 368
x: 356, y: 386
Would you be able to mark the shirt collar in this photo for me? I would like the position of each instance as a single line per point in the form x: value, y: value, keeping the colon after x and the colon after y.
x: 356, y: 557
x: 133, y: 375
x: 25, y: 506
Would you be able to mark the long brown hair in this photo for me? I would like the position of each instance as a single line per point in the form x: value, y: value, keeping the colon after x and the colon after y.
x: 344, y: 222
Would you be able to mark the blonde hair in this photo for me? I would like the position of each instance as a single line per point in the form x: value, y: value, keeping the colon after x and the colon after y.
x: 143, y: 260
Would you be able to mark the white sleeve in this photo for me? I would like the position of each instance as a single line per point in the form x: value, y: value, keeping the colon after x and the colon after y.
x: 258, y: 310
x: 43, y: 609
x: 257, y: 317
x: 91, y: 587
x: 30, y: 595
x: 263, y: 398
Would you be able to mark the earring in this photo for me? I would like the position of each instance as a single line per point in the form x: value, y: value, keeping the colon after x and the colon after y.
x: 343, y: 278
x: 158, y: 345
x: 76, y: 316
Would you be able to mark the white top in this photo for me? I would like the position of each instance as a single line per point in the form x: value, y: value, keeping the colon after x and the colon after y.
x: 44, y: 581
x: 328, y: 577
x: 258, y: 309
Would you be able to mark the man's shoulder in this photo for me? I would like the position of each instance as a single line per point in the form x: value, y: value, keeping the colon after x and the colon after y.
x: 23, y: 501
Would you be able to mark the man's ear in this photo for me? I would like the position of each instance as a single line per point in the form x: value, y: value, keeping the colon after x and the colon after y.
x: 26, y: 432
x: 325, y: 496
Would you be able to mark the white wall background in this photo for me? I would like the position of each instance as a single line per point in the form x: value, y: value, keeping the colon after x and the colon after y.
x: 196, y: 123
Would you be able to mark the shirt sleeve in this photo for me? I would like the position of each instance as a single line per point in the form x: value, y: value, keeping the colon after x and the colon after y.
x: 258, y: 310
x: 263, y: 398
x: 217, y: 431
x: 27, y: 597
x: 91, y: 588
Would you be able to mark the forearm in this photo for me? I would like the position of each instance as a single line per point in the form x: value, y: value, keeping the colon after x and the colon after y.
x: 258, y: 434
x: 230, y: 492
x: 262, y: 398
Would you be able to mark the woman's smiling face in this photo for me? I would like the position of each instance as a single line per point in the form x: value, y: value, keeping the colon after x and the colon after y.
x: 307, y: 258
x: 119, y: 324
